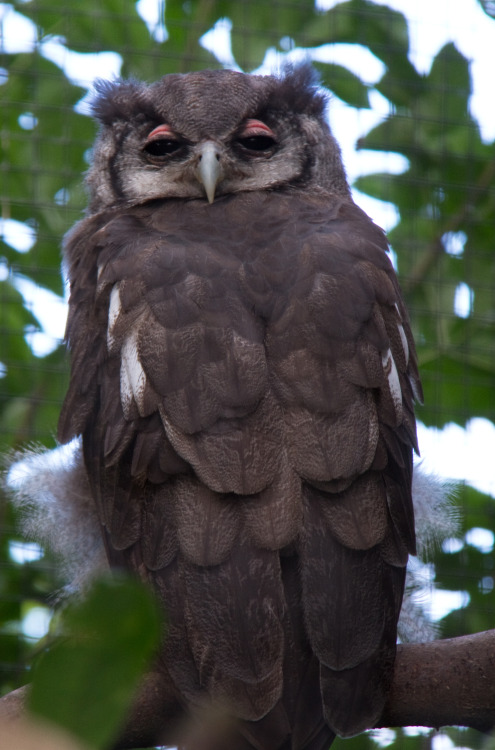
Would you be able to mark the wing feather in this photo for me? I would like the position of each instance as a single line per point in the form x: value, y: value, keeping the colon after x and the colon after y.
x: 246, y: 404
x: 233, y: 614
x: 159, y: 545
x: 208, y: 523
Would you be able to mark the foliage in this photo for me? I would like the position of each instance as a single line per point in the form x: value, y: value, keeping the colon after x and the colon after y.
x: 444, y: 237
x: 85, y: 681
x: 450, y: 177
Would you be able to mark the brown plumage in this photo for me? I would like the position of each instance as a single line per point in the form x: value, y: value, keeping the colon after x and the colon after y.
x: 243, y: 376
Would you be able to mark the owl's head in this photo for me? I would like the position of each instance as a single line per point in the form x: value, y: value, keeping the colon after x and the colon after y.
x: 208, y: 134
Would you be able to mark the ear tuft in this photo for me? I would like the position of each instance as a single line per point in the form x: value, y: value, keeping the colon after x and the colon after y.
x: 300, y: 89
x: 115, y: 100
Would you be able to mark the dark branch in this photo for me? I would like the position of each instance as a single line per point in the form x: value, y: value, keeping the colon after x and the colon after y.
x: 442, y: 683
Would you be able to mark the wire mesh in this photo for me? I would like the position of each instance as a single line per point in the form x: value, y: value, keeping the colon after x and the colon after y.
x: 421, y: 161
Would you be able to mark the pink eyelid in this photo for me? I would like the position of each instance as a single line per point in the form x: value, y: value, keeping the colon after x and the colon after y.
x: 251, y: 128
x: 165, y: 131
x: 256, y: 127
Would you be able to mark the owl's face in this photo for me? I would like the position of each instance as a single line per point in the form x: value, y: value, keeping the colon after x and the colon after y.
x: 208, y: 134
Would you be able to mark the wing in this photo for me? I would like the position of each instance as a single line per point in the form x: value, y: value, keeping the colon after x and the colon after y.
x: 243, y: 377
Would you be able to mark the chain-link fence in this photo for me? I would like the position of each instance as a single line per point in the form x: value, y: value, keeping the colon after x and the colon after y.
x: 416, y: 125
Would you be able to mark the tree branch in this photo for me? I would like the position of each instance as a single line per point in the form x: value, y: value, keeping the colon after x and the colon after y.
x: 443, y: 683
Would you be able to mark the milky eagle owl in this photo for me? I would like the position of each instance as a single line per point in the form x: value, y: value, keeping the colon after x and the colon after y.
x: 243, y: 377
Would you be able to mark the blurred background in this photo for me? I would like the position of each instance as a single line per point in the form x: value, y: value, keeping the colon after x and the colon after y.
x: 411, y: 103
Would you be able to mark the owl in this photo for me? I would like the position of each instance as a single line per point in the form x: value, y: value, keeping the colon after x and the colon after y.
x: 243, y: 377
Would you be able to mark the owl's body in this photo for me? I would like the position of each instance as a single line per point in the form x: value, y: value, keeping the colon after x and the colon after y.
x: 243, y: 377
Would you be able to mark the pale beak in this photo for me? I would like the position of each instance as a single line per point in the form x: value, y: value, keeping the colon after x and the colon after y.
x: 209, y: 170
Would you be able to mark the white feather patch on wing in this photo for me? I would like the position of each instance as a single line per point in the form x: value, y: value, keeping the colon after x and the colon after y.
x: 114, y: 309
x: 405, y: 345
x: 403, y: 337
x: 132, y: 376
x: 393, y: 381
x: 416, y: 390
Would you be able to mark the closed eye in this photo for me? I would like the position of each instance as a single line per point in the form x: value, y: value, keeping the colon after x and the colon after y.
x: 256, y: 137
x: 257, y: 142
x: 161, y: 147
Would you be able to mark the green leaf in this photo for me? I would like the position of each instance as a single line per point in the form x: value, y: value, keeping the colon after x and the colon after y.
x: 394, y: 134
x: 102, y: 21
x: 344, y: 84
x: 382, y: 186
x: 383, y: 30
x: 86, y: 681
x: 455, y: 388
x: 448, y: 87
x: 258, y: 25
x: 401, y: 84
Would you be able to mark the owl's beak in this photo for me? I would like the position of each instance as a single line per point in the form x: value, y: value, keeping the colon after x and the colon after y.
x: 209, y: 170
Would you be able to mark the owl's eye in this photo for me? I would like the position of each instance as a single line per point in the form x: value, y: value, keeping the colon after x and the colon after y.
x: 162, y: 147
x: 256, y: 137
x: 162, y: 142
x: 257, y: 142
